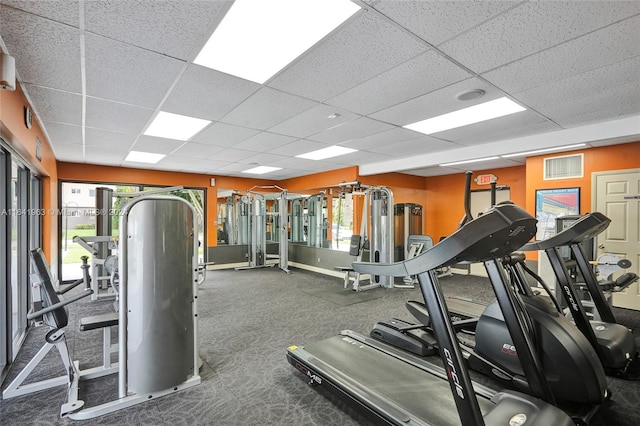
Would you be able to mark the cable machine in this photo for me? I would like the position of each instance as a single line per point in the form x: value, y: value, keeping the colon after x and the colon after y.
x: 376, y: 234
x: 254, y: 205
x: 315, y: 220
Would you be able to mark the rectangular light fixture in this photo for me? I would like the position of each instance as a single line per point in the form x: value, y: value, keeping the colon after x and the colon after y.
x: 332, y: 151
x: 258, y: 38
x: 175, y: 126
x: 260, y: 170
x: 144, y: 157
x: 463, y: 117
x: 541, y: 151
x: 477, y: 160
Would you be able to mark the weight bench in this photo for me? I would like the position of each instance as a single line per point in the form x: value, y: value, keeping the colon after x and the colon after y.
x: 350, y: 275
x: 619, y: 284
x: 54, y: 314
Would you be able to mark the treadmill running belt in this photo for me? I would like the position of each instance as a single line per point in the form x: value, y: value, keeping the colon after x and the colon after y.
x: 421, y: 395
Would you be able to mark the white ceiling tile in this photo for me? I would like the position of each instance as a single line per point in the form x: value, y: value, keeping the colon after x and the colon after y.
x: 64, y: 133
x: 109, y: 140
x: 352, y: 130
x: 416, y: 146
x: 235, y: 168
x: 264, y: 141
x: 266, y: 108
x: 209, y: 166
x: 438, y: 21
x: 582, y: 85
x: 422, y: 74
x: 366, y: 46
x: 117, y: 117
x: 196, y: 150
x: 208, y: 94
x: 138, y: 61
x: 98, y: 155
x: 47, y: 53
x: 176, y: 161
x: 56, y: 106
x: 222, y: 134
x: 156, y: 145
x: 125, y: 73
x: 531, y: 27
x: 231, y: 155
x: 301, y: 146
x: 522, y: 123
x: 310, y: 166
x: 63, y: 11
x: 619, y: 102
x: 190, y: 23
x: 261, y: 159
x: 68, y: 152
x: 435, y: 103
x: 312, y: 121
x: 384, y: 138
x: 360, y: 157
x: 613, y: 44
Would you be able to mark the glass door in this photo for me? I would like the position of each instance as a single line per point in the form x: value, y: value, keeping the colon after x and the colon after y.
x: 5, y: 220
x: 20, y: 183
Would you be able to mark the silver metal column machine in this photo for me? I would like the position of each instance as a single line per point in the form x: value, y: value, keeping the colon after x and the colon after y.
x: 158, y: 296
x: 381, y: 236
x: 297, y: 221
x: 316, y: 220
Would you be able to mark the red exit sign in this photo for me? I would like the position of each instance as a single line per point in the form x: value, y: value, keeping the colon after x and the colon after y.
x: 486, y: 179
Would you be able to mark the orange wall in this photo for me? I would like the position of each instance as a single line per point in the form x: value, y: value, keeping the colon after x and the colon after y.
x: 445, y: 197
x: 23, y: 141
x: 614, y: 157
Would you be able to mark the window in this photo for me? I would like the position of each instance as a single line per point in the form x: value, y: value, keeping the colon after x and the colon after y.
x: 79, y: 205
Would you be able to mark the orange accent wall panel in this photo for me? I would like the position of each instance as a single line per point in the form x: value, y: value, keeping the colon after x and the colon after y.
x: 23, y: 140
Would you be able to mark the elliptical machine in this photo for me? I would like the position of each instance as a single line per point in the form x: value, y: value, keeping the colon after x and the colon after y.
x: 570, y: 364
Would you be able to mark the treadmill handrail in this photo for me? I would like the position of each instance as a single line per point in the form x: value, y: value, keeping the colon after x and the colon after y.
x: 585, y: 228
x: 507, y: 227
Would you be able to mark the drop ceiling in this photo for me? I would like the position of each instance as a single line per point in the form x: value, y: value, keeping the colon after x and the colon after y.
x: 98, y: 72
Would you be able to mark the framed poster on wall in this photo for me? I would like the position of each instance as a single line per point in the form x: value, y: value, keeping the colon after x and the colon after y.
x: 553, y: 203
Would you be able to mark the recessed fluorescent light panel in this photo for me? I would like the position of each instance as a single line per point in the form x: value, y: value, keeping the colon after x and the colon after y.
x: 469, y: 161
x: 144, y: 157
x: 332, y: 151
x: 463, y: 117
x: 260, y: 170
x: 258, y: 38
x: 174, y: 126
x: 541, y: 151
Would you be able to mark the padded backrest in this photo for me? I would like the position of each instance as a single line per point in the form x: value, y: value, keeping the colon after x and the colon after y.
x: 58, y: 318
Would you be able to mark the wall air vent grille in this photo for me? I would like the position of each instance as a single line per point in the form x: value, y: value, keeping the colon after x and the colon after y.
x: 564, y: 167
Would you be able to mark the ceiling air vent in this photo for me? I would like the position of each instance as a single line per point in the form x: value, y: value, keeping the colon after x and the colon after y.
x: 564, y: 167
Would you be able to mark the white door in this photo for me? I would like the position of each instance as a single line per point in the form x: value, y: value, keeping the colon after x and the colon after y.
x: 481, y: 201
x: 617, y: 196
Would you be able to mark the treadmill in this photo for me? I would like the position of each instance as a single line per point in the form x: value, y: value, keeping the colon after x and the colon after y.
x: 393, y: 387
x: 613, y: 342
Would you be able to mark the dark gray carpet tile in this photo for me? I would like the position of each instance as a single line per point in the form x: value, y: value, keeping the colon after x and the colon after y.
x: 247, y: 319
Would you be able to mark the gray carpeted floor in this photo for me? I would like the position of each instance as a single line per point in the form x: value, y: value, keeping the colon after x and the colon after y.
x: 247, y: 320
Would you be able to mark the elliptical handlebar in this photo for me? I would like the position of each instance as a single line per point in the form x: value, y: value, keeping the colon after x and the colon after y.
x: 467, y: 200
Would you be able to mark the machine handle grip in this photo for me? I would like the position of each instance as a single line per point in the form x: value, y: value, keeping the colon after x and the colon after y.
x: 39, y: 313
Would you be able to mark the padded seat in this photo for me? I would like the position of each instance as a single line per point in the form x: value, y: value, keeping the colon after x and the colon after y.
x: 99, y: 321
